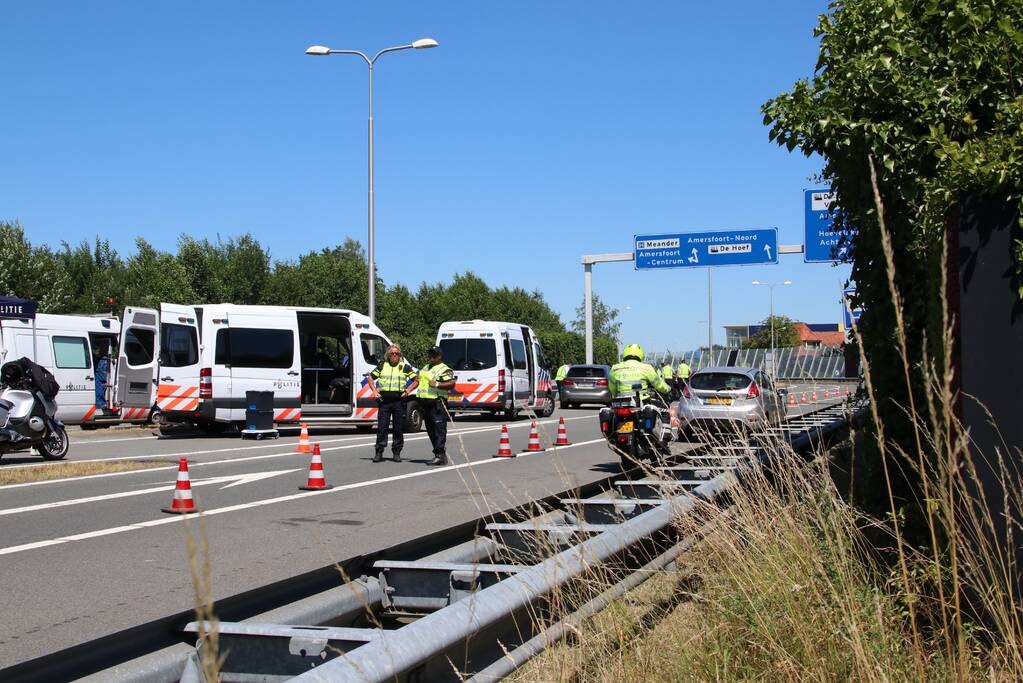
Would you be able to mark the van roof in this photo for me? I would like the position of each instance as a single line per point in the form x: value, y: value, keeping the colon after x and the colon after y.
x: 257, y: 308
x: 476, y: 324
x: 51, y: 321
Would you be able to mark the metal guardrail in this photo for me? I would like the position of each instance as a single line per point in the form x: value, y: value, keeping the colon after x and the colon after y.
x: 793, y: 363
x: 478, y: 620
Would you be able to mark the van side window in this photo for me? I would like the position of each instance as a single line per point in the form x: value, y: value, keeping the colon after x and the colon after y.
x: 518, y: 350
x: 179, y: 346
x: 250, y: 347
x: 138, y: 346
x: 373, y: 348
x: 541, y: 362
x: 71, y: 352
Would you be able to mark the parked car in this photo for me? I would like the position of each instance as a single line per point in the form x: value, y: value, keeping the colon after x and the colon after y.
x: 724, y: 398
x: 586, y: 384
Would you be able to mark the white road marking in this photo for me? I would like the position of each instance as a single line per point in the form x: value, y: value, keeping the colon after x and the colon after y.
x: 235, y: 480
x: 191, y: 465
x: 272, y: 501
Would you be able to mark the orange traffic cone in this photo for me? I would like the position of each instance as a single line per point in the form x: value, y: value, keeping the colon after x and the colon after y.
x: 316, y: 482
x: 303, y: 440
x: 803, y: 399
x: 813, y: 396
x: 534, y: 440
x: 847, y: 392
x: 827, y: 394
x: 504, y: 445
x: 563, y: 435
x: 182, y: 503
x: 792, y: 401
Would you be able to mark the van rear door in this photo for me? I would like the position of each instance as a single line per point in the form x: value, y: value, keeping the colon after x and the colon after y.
x: 137, y: 359
x: 179, y: 359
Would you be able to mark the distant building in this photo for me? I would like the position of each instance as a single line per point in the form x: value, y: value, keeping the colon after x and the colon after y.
x: 811, y: 335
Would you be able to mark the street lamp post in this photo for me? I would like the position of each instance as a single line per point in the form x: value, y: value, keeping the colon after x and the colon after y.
x: 320, y: 50
x: 770, y: 286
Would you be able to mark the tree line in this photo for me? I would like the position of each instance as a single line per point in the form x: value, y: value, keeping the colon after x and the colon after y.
x: 81, y: 278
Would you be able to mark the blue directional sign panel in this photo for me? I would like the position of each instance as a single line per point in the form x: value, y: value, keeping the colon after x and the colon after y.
x: 748, y: 247
x: 850, y: 312
x: 821, y: 242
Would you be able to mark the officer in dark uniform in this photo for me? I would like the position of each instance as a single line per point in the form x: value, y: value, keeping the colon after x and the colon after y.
x: 391, y: 380
x: 435, y: 381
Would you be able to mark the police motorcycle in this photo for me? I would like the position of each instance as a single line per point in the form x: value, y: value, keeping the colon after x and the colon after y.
x: 28, y: 411
x: 638, y: 429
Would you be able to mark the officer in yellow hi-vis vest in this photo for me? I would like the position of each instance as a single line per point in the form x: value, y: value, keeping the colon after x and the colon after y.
x: 632, y: 370
x: 391, y: 380
x: 435, y: 381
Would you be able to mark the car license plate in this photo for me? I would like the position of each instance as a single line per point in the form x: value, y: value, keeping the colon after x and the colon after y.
x: 719, y: 401
x: 625, y: 428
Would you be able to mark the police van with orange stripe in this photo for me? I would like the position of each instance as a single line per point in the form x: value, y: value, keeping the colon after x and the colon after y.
x: 82, y: 353
x: 499, y: 368
x: 205, y: 358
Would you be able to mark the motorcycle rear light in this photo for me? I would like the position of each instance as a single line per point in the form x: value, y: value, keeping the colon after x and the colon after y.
x: 605, y: 427
x: 601, y: 382
x: 754, y: 391
x: 206, y: 383
x: 623, y: 412
x: 500, y: 381
x: 623, y: 438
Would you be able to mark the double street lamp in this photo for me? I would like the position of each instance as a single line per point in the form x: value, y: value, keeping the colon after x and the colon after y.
x: 771, y: 286
x: 320, y: 50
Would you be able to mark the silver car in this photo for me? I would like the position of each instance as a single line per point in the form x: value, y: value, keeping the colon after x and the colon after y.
x: 586, y: 384
x: 729, y: 398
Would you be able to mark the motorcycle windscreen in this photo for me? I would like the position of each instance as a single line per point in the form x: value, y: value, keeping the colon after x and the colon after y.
x: 137, y: 358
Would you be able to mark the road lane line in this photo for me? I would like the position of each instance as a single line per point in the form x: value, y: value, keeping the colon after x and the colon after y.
x: 368, y: 441
x: 270, y: 501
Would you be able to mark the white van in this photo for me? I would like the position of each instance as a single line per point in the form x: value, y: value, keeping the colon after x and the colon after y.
x: 499, y: 367
x: 71, y: 346
x: 207, y: 357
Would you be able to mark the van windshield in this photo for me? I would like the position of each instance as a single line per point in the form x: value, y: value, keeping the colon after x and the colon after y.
x: 469, y: 354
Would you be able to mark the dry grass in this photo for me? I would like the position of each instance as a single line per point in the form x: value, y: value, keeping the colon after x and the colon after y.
x: 65, y: 470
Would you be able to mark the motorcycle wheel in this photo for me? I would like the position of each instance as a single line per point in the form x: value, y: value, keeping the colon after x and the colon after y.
x: 54, y: 445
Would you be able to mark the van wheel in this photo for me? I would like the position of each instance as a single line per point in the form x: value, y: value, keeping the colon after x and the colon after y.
x: 548, y: 407
x: 156, y: 418
x: 413, y: 418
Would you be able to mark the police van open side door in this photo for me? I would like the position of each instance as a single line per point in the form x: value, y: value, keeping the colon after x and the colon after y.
x: 180, y: 359
x: 137, y: 359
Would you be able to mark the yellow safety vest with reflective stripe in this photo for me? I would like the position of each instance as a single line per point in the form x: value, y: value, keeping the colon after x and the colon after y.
x: 683, y: 371
x: 666, y: 372
x: 437, y: 373
x: 629, y: 372
x: 392, y: 379
x: 562, y: 373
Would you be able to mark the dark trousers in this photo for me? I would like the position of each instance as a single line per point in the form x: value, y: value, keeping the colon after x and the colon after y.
x: 436, y: 417
x: 392, y: 411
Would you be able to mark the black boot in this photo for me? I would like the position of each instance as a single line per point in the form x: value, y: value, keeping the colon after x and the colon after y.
x: 378, y: 456
x: 396, y: 456
x: 440, y: 459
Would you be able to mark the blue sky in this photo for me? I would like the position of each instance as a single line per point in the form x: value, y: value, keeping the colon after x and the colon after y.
x: 537, y: 132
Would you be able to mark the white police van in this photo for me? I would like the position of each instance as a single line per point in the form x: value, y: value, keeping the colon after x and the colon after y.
x: 205, y: 358
x: 71, y: 347
x: 499, y: 368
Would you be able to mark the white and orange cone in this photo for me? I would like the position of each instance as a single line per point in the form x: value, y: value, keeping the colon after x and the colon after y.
x: 563, y: 435
x: 792, y: 401
x: 534, y: 440
x: 803, y: 399
x: 847, y: 392
x: 303, y: 440
x: 504, y: 445
x: 182, y: 504
x: 813, y: 396
x: 316, y: 481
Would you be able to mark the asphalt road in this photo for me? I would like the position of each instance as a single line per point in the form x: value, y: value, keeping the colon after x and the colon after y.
x: 86, y: 557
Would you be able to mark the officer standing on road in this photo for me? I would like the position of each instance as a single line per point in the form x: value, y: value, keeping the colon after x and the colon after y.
x: 683, y: 374
x: 435, y: 381
x: 632, y: 370
x: 390, y: 379
x: 668, y: 375
x: 559, y: 376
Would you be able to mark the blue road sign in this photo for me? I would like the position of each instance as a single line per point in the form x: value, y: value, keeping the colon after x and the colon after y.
x: 850, y: 312
x: 821, y: 242
x: 753, y: 246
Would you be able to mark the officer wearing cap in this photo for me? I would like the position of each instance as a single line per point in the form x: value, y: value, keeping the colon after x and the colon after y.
x: 435, y: 381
